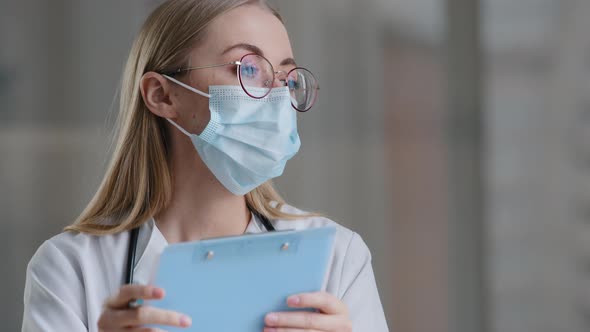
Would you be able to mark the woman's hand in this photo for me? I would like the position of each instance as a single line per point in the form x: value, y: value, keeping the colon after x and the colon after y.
x: 117, y: 316
x: 332, y: 315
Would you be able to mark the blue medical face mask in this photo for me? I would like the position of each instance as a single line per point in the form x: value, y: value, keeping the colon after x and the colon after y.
x: 247, y: 141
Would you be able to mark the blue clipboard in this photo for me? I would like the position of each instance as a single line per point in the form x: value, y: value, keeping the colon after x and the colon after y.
x: 231, y: 283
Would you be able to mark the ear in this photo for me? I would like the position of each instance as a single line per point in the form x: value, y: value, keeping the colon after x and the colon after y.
x: 157, y: 95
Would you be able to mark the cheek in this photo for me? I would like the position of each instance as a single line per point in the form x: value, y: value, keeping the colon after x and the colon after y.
x: 194, y: 113
x: 224, y: 76
x: 200, y: 115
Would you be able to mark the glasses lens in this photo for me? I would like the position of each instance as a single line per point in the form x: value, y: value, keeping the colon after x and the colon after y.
x: 256, y: 75
x: 303, y: 87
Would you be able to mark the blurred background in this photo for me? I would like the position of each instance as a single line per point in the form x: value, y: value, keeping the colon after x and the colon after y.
x: 453, y: 135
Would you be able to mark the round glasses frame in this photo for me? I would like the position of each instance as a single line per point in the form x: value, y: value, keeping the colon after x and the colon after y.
x: 239, y: 63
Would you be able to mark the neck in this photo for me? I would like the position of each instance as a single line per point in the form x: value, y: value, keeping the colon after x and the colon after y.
x: 200, y: 207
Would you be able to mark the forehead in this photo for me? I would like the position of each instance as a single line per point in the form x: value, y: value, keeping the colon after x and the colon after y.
x: 250, y: 24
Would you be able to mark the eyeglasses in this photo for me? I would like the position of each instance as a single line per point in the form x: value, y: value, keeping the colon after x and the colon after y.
x: 257, y: 76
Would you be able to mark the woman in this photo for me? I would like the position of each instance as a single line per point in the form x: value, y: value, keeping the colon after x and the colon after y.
x: 207, y: 117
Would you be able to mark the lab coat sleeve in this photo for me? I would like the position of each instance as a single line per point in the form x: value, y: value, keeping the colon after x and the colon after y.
x: 359, y: 290
x: 54, y: 293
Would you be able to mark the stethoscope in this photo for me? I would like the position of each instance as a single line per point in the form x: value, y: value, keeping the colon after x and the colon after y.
x: 134, y: 234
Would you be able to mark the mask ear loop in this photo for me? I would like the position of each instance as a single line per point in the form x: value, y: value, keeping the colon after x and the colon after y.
x: 188, y: 86
x: 191, y: 89
x: 179, y: 128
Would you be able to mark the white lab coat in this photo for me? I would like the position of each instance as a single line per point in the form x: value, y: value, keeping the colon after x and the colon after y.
x: 71, y: 275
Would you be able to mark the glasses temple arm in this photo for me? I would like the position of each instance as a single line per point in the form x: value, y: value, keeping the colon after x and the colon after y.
x: 211, y: 66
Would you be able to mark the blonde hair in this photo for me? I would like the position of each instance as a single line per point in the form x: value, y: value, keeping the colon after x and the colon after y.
x: 137, y: 184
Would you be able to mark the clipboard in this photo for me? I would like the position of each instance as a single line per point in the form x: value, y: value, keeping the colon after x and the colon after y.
x: 231, y: 283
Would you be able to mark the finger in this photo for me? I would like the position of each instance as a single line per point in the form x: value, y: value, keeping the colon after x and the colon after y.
x: 136, y: 329
x: 303, y: 320
x: 280, y: 329
x: 144, y: 315
x: 325, y: 302
x: 133, y: 292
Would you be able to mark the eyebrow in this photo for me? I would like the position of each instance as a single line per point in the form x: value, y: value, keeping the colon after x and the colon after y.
x: 255, y: 49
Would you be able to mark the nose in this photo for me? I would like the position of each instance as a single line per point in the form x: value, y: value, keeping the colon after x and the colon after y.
x: 280, y: 79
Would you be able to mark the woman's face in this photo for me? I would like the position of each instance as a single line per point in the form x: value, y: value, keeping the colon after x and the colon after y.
x: 243, y: 30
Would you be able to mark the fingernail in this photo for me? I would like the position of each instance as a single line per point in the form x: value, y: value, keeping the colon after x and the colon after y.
x: 272, y: 318
x: 293, y: 300
x: 185, y: 321
x: 157, y: 292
